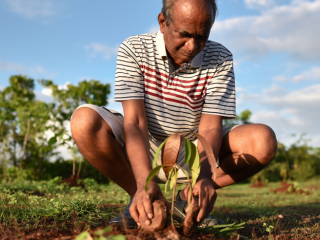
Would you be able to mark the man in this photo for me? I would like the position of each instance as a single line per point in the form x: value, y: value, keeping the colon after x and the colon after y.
x: 173, y: 81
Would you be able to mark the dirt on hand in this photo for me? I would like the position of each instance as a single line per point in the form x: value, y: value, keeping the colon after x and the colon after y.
x: 160, y: 217
x: 189, y: 226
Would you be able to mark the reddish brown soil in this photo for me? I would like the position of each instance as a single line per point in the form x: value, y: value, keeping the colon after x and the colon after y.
x: 73, y: 181
x: 304, y: 225
x: 189, y: 226
x: 289, y: 188
x: 160, y: 217
x: 258, y: 184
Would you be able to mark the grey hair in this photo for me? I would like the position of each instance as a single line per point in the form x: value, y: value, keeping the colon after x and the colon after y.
x: 167, y: 9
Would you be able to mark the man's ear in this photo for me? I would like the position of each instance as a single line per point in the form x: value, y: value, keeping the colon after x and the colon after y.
x: 162, y: 22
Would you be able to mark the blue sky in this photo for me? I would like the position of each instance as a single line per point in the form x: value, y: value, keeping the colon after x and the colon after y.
x: 275, y: 45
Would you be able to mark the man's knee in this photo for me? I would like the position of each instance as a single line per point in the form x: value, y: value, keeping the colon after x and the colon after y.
x: 264, y: 142
x: 85, y: 122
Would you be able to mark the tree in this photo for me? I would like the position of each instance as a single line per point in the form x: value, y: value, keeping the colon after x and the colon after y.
x: 23, y: 120
x: 243, y: 118
x: 68, y: 100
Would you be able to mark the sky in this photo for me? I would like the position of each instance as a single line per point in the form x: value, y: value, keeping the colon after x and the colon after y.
x: 275, y: 45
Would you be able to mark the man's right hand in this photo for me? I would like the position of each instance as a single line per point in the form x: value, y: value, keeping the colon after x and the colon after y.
x: 141, y: 206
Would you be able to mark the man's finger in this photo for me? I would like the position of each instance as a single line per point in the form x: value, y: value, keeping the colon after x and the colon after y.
x: 203, y: 203
x: 134, y: 213
x: 188, y: 199
x: 147, y: 203
x: 142, y: 214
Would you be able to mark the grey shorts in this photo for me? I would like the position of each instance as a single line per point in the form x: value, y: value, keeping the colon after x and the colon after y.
x: 115, y: 121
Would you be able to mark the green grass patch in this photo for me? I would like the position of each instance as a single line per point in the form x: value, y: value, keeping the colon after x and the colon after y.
x: 29, y: 206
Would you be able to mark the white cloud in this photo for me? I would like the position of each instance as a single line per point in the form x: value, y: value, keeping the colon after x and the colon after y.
x: 21, y: 69
x: 291, y: 29
x: 240, y: 89
x: 280, y: 78
x: 259, y: 4
x: 101, y: 49
x: 311, y: 74
x: 33, y: 8
x: 288, y: 112
x: 48, y: 91
x: 44, y: 97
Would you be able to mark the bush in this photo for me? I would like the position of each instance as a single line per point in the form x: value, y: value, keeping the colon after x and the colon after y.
x: 17, y: 174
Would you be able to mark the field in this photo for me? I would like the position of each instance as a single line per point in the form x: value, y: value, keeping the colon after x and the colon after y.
x: 46, y: 210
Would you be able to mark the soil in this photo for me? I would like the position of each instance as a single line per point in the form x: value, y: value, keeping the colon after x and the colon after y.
x: 73, y: 181
x: 289, y: 188
x: 303, y: 226
x: 160, y: 217
x: 189, y: 226
x: 258, y: 184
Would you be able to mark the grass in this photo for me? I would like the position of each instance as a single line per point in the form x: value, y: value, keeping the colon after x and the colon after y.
x: 45, y: 207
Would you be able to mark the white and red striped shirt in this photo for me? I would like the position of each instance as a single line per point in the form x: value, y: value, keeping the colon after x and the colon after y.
x: 175, y: 98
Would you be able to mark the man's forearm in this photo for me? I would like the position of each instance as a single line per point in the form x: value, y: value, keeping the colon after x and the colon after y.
x: 213, y: 137
x: 137, y: 144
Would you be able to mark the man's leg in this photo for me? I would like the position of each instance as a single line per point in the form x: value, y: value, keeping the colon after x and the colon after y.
x: 98, y: 145
x: 244, y: 151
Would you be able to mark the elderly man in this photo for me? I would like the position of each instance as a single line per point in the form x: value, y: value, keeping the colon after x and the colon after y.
x: 173, y: 81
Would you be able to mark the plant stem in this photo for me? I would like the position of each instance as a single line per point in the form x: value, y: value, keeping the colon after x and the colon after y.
x: 173, y: 197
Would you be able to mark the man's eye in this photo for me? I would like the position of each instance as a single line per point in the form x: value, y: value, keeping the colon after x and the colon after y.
x: 184, y: 35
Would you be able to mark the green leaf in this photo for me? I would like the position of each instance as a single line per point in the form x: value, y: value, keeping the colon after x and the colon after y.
x: 209, y: 152
x: 155, y: 159
x: 100, y: 232
x: 52, y: 140
x: 84, y: 236
x: 117, y: 237
x: 170, y: 183
x: 194, y: 163
x: 152, y: 173
x: 187, y: 149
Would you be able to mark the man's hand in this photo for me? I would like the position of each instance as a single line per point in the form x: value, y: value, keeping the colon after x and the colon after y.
x: 141, y: 207
x: 207, y: 196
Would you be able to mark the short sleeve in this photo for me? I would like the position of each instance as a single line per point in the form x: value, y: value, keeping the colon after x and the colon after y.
x: 220, y: 96
x: 129, y: 81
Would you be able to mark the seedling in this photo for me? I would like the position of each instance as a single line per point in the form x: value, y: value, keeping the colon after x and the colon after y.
x: 169, y: 158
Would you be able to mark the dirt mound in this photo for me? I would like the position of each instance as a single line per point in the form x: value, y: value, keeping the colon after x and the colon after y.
x: 289, y: 188
x: 167, y: 233
x: 73, y: 181
x: 257, y: 184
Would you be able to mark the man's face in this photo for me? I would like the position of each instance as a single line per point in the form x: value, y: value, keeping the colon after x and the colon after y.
x: 187, y: 35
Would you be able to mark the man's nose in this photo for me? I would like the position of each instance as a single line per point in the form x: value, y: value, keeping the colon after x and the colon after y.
x: 192, y: 45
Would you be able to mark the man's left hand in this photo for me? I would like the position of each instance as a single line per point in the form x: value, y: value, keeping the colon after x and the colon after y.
x: 207, y: 196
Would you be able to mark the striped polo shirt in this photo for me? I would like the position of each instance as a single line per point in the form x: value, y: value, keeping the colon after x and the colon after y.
x: 175, y: 98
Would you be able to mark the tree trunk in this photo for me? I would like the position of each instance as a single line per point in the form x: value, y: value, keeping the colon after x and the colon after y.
x: 14, y: 148
x: 25, y: 143
x: 74, y: 161
x: 79, y: 169
x: 287, y: 160
x: 4, y: 158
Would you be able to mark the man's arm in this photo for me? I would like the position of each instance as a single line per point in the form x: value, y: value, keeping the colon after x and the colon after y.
x: 210, y: 128
x: 137, y: 145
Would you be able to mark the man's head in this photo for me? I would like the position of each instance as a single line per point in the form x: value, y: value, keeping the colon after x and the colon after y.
x: 186, y: 26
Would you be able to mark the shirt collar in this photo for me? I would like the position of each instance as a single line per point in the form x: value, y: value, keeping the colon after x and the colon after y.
x: 161, y: 48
